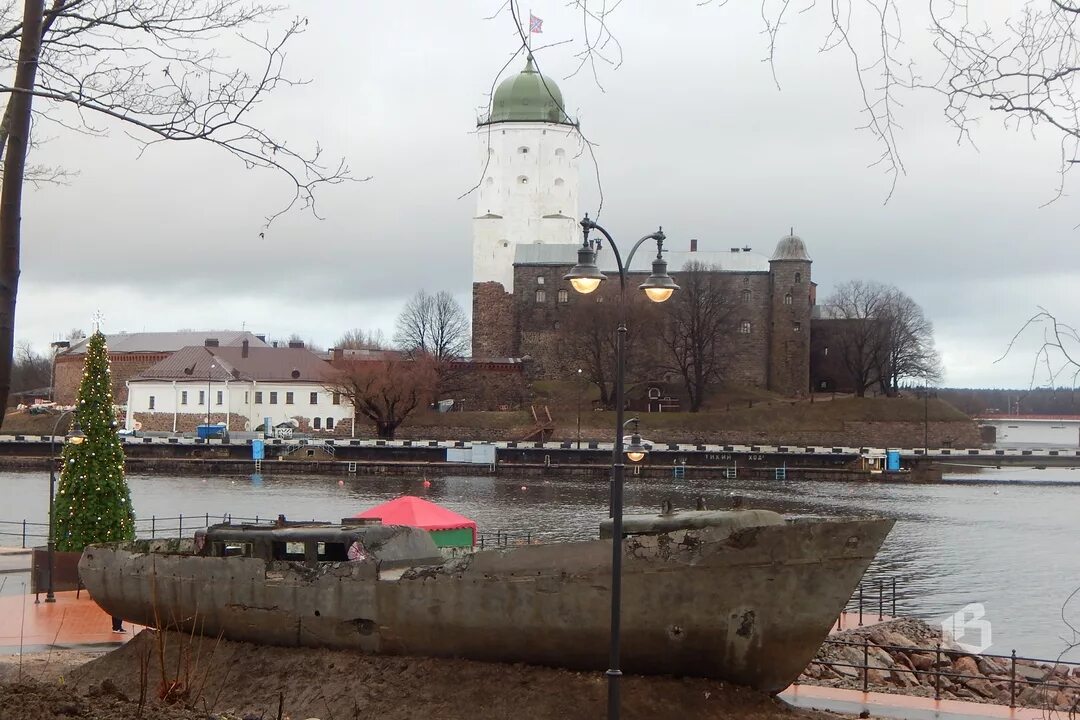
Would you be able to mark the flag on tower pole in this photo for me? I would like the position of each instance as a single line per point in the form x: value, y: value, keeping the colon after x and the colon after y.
x: 535, y: 24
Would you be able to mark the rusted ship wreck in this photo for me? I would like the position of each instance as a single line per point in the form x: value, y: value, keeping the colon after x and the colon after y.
x: 745, y: 595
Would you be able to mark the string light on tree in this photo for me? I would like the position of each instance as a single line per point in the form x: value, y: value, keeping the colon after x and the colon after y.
x: 92, y: 489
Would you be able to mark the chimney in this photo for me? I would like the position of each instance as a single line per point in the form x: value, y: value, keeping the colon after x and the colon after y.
x: 339, y: 354
x: 296, y: 343
x: 693, y: 244
x: 211, y: 342
x: 734, y: 250
x: 746, y: 248
x: 244, y: 349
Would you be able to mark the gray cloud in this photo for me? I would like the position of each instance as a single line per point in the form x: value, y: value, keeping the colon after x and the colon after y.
x: 690, y: 134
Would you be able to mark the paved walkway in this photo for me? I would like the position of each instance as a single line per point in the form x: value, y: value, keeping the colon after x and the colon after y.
x: 69, y: 622
x: 908, y: 707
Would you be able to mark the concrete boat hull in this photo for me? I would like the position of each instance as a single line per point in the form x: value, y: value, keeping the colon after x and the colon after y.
x: 750, y: 606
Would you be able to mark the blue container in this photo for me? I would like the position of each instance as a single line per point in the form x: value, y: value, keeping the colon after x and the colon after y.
x: 209, y: 431
x: 258, y: 450
x: 892, y: 460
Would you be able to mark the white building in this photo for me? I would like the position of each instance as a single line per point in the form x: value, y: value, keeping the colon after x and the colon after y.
x: 1061, y: 431
x: 529, y: 150
x: 238, y: 386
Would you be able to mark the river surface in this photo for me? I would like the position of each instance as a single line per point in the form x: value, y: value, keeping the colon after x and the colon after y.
x: 1008, y: 539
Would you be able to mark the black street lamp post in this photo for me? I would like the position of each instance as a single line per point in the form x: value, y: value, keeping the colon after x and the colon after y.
x: 209, y: 370
x: 581, y: 390
x: 585, y: 277
x: 75, y: 436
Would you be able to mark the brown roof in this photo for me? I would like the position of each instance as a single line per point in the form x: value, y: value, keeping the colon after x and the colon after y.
x: 166, y: 341
x: 264, y: 364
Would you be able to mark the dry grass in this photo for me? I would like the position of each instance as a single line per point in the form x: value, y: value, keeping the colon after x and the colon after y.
x: 771, y: 416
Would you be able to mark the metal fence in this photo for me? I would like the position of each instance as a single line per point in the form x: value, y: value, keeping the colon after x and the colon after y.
x: 37, y: 533
x: 871, y: 595
x: 943, y: 659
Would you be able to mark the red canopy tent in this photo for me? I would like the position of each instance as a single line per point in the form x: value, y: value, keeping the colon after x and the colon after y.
x: 417, y: 512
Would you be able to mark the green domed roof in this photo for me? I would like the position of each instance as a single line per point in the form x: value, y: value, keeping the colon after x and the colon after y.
x: 528, y: 97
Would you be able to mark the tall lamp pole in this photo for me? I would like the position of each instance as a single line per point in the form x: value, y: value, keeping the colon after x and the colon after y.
x: 581, y: 389
x: 585, y: 277
x: 209, y: 369
x: 926, y: 418
x: 74, y: 436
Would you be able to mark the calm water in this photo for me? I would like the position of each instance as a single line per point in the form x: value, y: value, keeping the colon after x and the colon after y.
x: 1008, y: 539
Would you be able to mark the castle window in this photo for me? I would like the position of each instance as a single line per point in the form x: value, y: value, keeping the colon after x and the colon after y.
x: 183, y: 397
x: 522, y: 180
x: 787, y: 299
x: 313, y: 399
x: 539, y: 279
x: 329, y: 423
x: 798, y: 278
x: 246, y: 396
x: 564, y: 296
x: 744, y: 327
x: 541, y: 296
x: 797, y: 327
x: 337, y: 398
x: 316, y: 423
x: 258, y: 397
x: 273, y: 398
x: 746, y: 280
x: 826, y: 351
x: 523, y: 150
x: 151, y: 402
x: 220, y: 397
x: 558, y: 326
x: 599, y: 298
x: 746, y: 297
x: 288, y: 398
x: 202, y: 397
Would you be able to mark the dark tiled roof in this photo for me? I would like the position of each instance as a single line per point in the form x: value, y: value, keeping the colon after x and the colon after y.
x: 264, y: 364
x: 167, y: 341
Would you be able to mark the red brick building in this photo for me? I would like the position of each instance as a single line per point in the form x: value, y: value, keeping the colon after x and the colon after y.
x: 132, y: 353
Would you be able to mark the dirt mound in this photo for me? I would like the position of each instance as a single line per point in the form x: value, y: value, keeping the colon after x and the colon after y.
x: 52, y: 701
x: 249, y: 679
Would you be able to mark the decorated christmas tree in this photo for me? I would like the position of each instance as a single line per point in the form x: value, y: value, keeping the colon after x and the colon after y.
x: 93, y: 503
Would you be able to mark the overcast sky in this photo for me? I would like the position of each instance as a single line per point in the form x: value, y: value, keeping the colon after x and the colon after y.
x: 691, y: 134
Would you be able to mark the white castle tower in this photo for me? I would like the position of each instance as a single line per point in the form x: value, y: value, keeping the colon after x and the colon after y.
x: 529, y: 152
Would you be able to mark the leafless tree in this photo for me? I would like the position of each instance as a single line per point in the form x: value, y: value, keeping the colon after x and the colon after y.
x: 909, y: 352
x: 1058, y: 355
x: 154, y: 69
x: 587, y: 341
x: 434, y: 325
x: 31, y: 370
x: 697, y: 330
x: 862, y: 338
x: 384, y: 392
x: 1018, y: 61
x: 360, y: 339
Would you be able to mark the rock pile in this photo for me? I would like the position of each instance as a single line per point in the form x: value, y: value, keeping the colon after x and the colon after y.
x: 902, y: 658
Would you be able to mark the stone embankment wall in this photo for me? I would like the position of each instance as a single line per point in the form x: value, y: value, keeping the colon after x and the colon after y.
x: 911, y: 671
x: 853, y: 434
x: 187, y: 422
